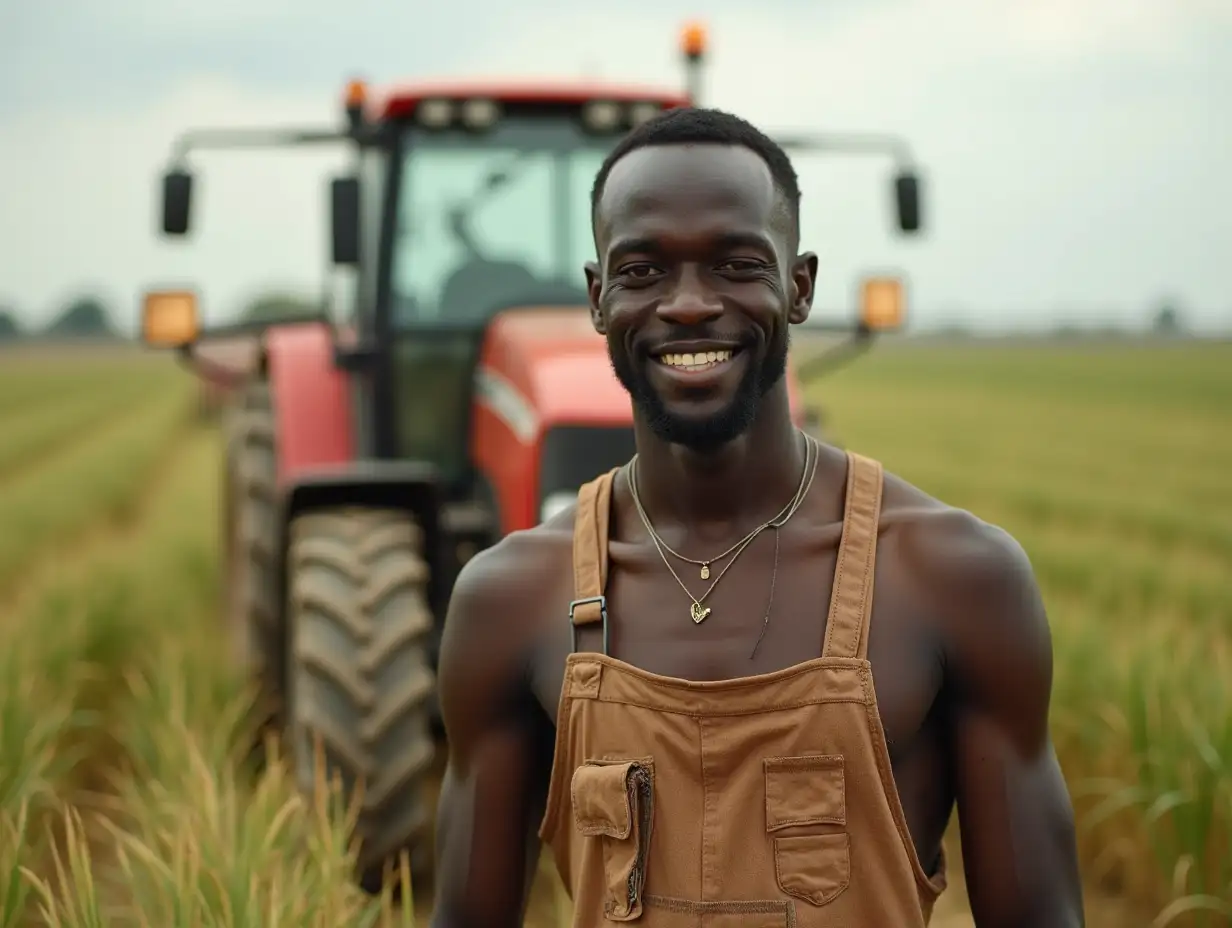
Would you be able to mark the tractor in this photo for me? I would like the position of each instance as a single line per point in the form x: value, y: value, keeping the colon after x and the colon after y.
x: 459, y: 395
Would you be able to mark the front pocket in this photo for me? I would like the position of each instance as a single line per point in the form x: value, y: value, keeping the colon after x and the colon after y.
x: 815, y: 868
x: 613, y: 802
x: 802, y: 793
x: 806, y: 790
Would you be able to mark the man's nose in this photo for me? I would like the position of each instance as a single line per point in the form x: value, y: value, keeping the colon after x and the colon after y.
x: 690, y: 303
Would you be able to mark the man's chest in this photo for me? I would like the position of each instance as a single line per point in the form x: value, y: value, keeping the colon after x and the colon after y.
x: 748, y: 633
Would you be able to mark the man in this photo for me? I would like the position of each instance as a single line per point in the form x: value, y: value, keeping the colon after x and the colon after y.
x: 716, y: 753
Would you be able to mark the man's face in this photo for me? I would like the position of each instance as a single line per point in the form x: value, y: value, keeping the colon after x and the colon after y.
x: 696, y: 285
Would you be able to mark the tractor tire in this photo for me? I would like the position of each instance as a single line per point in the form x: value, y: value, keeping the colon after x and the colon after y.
x: 251, y: 592
x: 359, y: 678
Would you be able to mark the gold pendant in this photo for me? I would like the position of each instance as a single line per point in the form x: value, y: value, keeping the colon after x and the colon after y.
x: 705, y: 571
x: 697, y: 612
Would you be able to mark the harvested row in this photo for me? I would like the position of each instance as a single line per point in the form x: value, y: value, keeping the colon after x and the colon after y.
x: 41, y: 380
x: 97, y: 478
x: 32, y: 435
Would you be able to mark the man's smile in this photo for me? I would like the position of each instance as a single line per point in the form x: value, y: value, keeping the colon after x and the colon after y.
x: 696, y: 363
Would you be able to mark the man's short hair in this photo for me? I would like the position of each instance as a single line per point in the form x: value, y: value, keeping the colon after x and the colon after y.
x: 696, y: 126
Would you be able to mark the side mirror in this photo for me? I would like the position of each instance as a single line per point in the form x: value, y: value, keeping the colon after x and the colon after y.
x: 881, y: 303
x: 344, y: 219
x: 169, y: 318
x: 177, y: 201
x: 907, y: 201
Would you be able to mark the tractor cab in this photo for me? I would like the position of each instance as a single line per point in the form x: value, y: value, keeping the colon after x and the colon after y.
x: 488, y: 214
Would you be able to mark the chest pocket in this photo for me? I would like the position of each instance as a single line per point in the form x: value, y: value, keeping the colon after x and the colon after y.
x: 806, y: 815
x: 613, y: 805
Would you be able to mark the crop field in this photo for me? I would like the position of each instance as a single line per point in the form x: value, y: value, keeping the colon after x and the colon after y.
x: 122, y: 801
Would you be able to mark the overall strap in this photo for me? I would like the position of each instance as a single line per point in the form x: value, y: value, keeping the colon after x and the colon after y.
x: 852, y: 598
x: 590, y: 531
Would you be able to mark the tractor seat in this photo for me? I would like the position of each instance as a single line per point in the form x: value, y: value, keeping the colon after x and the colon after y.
x: 474, y: 291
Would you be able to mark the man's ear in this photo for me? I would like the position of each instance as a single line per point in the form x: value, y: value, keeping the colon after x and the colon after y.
x: 803, y: 280
x: 594, y: 287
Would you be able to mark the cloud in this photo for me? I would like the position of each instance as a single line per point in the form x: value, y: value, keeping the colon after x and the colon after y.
x: 85, y: 212
x: 1071, y: 151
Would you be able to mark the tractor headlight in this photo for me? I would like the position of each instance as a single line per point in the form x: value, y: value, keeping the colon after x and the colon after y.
x: 555, y: 503
x: 602, y: 116
x: 480, y: 114
x: 436, y: 114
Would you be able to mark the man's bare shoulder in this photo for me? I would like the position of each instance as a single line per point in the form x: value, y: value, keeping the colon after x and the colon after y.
x: 507, y: 582
x: 501, y: 601
x: 967, y: 571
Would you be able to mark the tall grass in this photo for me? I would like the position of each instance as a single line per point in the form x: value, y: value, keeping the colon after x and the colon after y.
x: 122, y: 797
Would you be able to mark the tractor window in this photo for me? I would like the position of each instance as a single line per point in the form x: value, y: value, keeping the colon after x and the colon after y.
x: 486, y: 221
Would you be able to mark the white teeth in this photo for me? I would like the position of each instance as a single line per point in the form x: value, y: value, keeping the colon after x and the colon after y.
x: 696, y: 361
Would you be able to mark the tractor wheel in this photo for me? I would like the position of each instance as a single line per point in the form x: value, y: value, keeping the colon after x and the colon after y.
x: 359, y: 631
x: 251, y: 532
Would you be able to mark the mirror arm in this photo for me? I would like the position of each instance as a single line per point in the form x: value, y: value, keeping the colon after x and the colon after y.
x: 851, y: 143
x: 252, y: 138
x: 836, y: 355
x: 210, y: 371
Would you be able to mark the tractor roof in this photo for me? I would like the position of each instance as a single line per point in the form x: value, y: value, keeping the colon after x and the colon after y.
x: 401, y: 101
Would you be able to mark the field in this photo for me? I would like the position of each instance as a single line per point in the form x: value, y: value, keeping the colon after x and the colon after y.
x: 121, y: 802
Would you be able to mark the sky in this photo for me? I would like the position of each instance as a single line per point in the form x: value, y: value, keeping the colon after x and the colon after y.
x: 1075, y: 153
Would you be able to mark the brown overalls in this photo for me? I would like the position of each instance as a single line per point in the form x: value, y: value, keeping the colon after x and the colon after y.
x: 760, y: 802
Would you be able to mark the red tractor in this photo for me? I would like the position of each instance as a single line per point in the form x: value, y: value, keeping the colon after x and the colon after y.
x: 459, y: 394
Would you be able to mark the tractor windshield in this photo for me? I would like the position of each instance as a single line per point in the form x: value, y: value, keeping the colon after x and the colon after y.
x: 494, y: 219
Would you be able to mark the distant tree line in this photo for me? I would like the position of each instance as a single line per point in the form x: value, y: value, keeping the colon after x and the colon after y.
x: 1167, y: 320
x: 83, y: 317
x: 89, y: 317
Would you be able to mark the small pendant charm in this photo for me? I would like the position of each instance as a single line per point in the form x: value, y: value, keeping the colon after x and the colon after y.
x: 697, y: 612
x: 705, y: 571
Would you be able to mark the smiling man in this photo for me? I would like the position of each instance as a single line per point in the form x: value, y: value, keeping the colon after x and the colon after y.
x: 747, y: 679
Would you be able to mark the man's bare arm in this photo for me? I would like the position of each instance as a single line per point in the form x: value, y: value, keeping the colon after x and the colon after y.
x: 1014, y: 810
x: 494, y: 784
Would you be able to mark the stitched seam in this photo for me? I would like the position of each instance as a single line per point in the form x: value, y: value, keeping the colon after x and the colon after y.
x: 870, y: 556
x: 805, y: 762
x: 689, y: 907
x: 820, y: 663
x: 733, y: 713
x: 603, y: 505
x: 705, y: 778
x: 832, y: 619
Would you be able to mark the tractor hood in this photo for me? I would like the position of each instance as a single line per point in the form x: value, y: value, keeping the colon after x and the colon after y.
x: 547, y: 366
x: 541, y: 367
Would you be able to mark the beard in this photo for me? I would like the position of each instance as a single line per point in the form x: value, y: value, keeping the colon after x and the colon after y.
x: 708, y: 433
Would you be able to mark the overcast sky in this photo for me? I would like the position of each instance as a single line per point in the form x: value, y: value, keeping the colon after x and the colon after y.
x: 1077, y: 153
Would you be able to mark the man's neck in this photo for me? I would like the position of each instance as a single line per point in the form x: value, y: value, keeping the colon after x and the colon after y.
x: 729, y: 490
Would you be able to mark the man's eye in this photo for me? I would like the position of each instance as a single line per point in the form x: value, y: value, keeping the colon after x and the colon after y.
x: 638, y: 271
x: 742, y: 265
